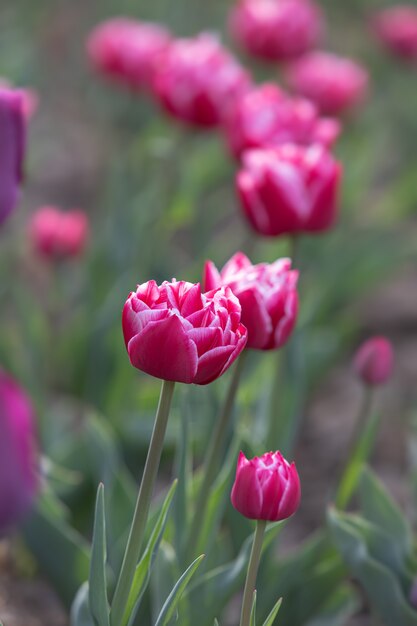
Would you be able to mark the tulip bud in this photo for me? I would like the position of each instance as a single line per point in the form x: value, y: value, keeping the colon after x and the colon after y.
x: 333, y: 83
x: 374, y: 361
x: 197, y: 80
x: 12, y: 147
x: 267, y: 117
x: 267, y: 293
x: 396, y: 28
x: 176, y: 333
x: 58, y: 235
x: 266, y: 487
x: 289, y: 189
x: 276, y: 30
x: 18, y: 474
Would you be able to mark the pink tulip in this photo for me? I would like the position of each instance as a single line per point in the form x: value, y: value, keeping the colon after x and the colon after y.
x: 290, y: 189
x: 396, y: 27
x: 333, y: 83
x: 30, y: 97
x: 266, y: 116
x: 12, y: 148
x: 197, y: 80
x: 276, y: 30
x: 268, y: 296
x: 174, y: 332
x: 56, y: 234
x: 374, y: 361
x: 266, y: 487
x: 127, y: 50
x: 18, y: 473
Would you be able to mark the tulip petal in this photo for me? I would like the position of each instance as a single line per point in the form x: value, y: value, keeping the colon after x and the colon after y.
x: 211, y: 279
x: 212, y: 364
x: 256, y: 318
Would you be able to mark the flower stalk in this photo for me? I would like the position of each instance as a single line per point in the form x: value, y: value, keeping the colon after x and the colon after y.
x: 252, y: 572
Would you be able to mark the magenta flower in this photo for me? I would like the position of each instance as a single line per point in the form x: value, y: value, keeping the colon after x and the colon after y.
x: 12, y: 147
x: 174, y: 332
x: 289, y: 189
x: 197, y: 80
x: 18, y: 473
x: 396, y: 27
x: 276, y: 30
x: 267, y: 117
x: 267, y: 293
x: 266, y: 487
x: 335, y: 84
x: 374, y: 361
x: 56, y: 234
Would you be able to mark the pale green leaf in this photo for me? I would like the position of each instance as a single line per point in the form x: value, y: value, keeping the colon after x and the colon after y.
x: 174, y: 597
x: 99, y: 606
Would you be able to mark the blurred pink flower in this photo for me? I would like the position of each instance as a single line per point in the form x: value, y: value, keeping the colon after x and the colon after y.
x: 56, y: 234
x: 30, y: 97
x: 396, y: 28
x: 374, y: 361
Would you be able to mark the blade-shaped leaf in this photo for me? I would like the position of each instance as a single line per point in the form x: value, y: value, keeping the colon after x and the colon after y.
x: 174, y: 597
x: 271, y: 617
x: 253, y: 611
x: 80, y: 613
x: 99, y: 606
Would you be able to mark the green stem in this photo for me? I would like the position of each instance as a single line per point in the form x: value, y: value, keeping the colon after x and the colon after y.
x: 294, y: 250
x: 212, y: 456
x: 140, y: 517
x: 255, y: 557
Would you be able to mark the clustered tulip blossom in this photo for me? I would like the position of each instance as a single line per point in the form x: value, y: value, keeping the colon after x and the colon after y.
x: 12, y: 148
x: 197, y: 80
x: 18, y: 474
x: 176, y: 333
x: 396, y: 27
x: 127, y: 50
x: 266, y: 487
x: 335, y: 84
x: 57, y: 234
x: 276, y: 30
x: 374, y: 361
x: 266, y: 116
x: 268, y: 296
x: 290, y: 189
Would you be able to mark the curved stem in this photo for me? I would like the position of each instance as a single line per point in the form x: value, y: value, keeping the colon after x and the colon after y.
x: 140, y: 517
x: 212, y: 455
x: 255, y: 557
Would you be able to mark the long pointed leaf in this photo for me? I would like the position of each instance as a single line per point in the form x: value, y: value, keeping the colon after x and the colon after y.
x: 175, y: 595
x: 80, y: 612
x: 99, y: 606
x: 271, y: 617
x: 253, y: 611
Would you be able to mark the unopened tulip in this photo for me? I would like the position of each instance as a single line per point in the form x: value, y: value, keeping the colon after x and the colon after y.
x: 176, y: 333
x: 335, y: 84
x: 12, y: 147
x: 197, y: 80
x: 266, y: 487
x: 18, y: 472
x: 374, y: 361
x: 127, y: 50
x: 268, y: 296
x: 266, y: 117
x: 290, y: 189
x: 396, y: 27
x: 56, y: 234
x: 276, y: 30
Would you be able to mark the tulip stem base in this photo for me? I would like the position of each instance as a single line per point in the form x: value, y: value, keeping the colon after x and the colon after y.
x: 255, y: 557
x: 140, y: 517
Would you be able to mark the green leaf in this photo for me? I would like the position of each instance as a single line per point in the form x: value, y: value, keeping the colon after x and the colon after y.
x: 80, y: 612
x: 271, y: 617
x: 174, y: 597
x: 216, y: 623
x: 143, y: 570
x: 99, y: 606
x: 340, y: 607
x: 252, y: 621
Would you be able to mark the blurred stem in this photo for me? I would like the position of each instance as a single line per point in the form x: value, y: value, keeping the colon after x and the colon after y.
x: 255, y: 557
x: 212, y: 455
x: 140, y: 517
x: 294, y: 250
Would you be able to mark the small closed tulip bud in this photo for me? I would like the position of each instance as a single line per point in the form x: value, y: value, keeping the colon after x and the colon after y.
x: 374, y: 361
x: 276, y: 30
x: 197, y: 80
x: 57, y: 235
x: 18, y: 471
x: 267, y: 293
x: 335, y: 84
x: 289, y: 190
x: 396, y: 28
x: 266, y: 487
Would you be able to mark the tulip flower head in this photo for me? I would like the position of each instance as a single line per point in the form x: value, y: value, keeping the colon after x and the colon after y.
x: 18, y: 474
x: 176, y: 333
x: 56, y: 234
x: 276, y: 30
x: 267, y: 117
x: 290, y: 189
x: 266, y: 487
x: 396, y: 28
x: 374, y: 361
x: 268, y: 296
x: 335, y: 84
x: 197, y: 80
x: 12, y: 147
